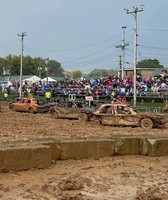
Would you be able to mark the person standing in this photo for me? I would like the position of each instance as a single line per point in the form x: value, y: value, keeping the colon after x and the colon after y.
x: 5, y: 95
x: 48, y: 96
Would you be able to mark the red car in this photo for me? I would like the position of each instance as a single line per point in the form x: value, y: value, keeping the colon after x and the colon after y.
x: 30, y: 105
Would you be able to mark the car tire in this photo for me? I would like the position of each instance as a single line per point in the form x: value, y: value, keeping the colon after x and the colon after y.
x: 83, y: 117
x: 100, y: 120
x: 13, y: 108
x: 147, y: 123
x: 54, y: 114
x: 31, y: 110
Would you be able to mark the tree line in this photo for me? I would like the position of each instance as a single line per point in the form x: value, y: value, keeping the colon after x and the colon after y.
x: 31, y: 66
x: 41, y: 67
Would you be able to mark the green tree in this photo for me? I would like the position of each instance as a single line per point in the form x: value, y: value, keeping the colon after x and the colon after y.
x: 102, y: 72
x: 55, y: 69
x: 31, y: 66
x: 76, y: 74
x: 149, y: 63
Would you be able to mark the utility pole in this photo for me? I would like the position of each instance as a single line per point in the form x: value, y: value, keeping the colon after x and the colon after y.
x: 122, y: 46
x: 120, y: 66
x: 47, y: 70
x: 134, y: 13
x: 22, y: 35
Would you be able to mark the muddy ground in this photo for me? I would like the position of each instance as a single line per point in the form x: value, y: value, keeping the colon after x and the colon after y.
x: 118, y: 178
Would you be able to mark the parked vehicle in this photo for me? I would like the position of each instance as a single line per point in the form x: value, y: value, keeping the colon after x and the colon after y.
x: 71, y: 110
x: 119, y: 114
x: 30, y: 105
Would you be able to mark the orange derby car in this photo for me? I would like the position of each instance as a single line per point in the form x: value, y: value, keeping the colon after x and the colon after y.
x: 30, y: 105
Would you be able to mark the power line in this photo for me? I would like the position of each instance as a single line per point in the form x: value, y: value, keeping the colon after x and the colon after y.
x: 151, y: 47
x: 83, y: 57
x: 155, y: 30
x: 75, y: 48
x: 97, y: 61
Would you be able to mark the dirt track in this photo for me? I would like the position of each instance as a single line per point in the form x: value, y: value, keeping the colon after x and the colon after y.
x: 108, y: 178
x: 25, y: 126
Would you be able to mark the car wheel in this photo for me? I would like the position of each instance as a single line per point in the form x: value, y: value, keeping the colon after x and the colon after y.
x: 13, y: 108
x: 54, y: 114
x: 100, y: 120
x: 147, y: 123
x: 31, y: 110
x: 83, y: 117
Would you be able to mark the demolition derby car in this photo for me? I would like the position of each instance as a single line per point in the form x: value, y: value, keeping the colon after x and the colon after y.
x: 71, y: 110
x: 165, y: 108
x: 30, y: 105
x: 119, y: 114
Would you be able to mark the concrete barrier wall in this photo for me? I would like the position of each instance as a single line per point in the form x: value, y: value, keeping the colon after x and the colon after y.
x: 94, y: 148
x: 24, y: 158
x: 127, y: 146
x: 40, y: 153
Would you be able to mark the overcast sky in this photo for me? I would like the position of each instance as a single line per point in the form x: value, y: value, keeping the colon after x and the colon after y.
x: 83, y: 34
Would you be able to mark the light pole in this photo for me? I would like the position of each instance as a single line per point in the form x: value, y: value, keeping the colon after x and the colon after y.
x: 134, y: 13
x: 47, y: 70
x: 22, y: 34
x: 39, y: 71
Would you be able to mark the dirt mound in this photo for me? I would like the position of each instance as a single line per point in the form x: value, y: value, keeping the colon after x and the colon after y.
x: 153, y: 193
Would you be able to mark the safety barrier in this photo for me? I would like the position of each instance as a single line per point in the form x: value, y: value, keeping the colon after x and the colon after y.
x: 41, y: 153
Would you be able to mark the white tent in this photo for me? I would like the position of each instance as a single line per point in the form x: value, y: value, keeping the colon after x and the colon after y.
x: 33, y: 78
x: 49, y: 79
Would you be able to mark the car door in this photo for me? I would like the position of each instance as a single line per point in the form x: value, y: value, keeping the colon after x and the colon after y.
x: 124, y: 116
x: 71, y: 110
x: 121, y: 117
x: 19, y: 106
x: 27, y: 105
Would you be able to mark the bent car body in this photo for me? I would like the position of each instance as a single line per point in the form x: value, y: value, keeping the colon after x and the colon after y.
x: 118, y: 114
x: 70, y: 110
x: 30, y: 105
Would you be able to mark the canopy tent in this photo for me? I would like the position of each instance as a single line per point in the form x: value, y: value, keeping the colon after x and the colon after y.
x: 33, y: 78
x: 49, y: 79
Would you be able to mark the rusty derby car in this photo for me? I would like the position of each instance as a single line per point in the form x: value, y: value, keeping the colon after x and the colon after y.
x: 30, y: 105
x: 118, y: 114
x: 71, y: 110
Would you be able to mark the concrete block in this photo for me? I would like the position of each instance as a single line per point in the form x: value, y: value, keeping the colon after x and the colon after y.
x: 24, y: 158
x: 144, y: 146
x: 158, y: 147
x: 127, y: 146
x: 53, y: 144
x: 78, y: 149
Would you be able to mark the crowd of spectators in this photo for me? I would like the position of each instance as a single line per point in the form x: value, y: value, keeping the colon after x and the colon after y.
x: 109, y: 86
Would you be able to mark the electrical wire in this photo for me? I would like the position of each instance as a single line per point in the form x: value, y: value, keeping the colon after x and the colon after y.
x: 75, y: 48
x: 155, y: 30
x: 83, y: 57
x: 97, y: 60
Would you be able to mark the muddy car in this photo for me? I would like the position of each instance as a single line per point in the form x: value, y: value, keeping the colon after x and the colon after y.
x: 30, y: 105
x: 117, y: 114
x: 165, y: 108
x: 71, y: 110
x: 16, y: 99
